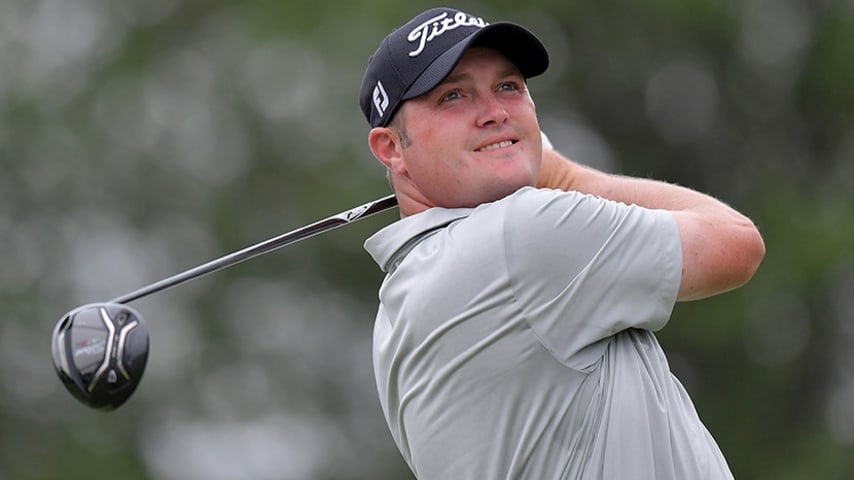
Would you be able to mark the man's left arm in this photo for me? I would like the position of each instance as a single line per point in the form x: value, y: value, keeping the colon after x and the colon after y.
x: 721, y: 248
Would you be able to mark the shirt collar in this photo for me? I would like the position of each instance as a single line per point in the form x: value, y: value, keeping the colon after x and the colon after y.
x: 389, y: 245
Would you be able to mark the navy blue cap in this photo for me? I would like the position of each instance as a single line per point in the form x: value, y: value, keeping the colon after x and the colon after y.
x: 416, y: 57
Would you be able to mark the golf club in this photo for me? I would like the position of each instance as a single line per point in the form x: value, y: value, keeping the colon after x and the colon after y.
x: 100, y: 350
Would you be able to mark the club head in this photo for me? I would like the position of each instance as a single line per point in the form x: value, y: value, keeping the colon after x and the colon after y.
x: 100, y: 351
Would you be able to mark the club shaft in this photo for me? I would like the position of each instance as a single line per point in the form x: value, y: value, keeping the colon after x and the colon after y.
x: 320, y: 226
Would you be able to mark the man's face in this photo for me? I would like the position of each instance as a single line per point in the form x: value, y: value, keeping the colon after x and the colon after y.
x: 475, y: 137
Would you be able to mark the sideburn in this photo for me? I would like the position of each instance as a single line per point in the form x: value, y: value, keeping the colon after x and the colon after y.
x: 398, y: 125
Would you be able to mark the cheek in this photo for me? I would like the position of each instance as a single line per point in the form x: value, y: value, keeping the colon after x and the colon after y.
x: 421, y: 164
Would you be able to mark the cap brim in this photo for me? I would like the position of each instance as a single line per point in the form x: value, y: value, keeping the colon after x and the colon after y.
x: 518, y: 44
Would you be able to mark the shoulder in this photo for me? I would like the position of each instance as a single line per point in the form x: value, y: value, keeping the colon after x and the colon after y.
x: 529, y: 202
x: 554, y: 206
x: 553, y: 229
x: 531, y: 209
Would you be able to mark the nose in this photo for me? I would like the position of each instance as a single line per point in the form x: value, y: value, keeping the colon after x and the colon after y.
x: 492, y: 111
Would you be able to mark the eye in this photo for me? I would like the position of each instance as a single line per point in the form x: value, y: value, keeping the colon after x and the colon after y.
x: 509, y: 86
x: 450, y: 96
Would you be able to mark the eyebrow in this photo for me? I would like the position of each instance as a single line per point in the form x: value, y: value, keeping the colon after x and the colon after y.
x: 459, y: 77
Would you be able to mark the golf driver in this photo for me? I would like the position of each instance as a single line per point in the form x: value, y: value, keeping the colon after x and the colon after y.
x: 100, y: 350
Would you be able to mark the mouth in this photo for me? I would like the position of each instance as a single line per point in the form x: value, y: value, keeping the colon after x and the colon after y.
x: 497, y: 145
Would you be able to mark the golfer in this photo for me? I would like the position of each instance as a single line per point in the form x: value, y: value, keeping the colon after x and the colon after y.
x: 514, y: 337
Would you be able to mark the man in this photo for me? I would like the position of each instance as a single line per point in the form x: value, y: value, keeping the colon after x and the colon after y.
x: 514, y: 334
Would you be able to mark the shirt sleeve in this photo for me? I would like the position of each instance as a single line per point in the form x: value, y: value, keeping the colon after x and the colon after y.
x: 584, y: 268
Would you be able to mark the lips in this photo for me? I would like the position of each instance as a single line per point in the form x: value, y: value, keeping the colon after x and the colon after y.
x: 496, y: 145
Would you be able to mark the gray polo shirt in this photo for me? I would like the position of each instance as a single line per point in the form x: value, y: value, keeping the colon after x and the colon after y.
x: 514, y: 340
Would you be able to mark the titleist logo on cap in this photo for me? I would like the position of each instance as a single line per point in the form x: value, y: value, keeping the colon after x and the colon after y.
x: 440, y: 24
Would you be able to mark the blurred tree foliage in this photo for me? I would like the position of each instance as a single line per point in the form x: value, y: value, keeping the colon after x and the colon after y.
x: 138, y: 139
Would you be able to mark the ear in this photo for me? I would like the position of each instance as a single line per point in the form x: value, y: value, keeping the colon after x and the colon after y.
x: 385, y: 145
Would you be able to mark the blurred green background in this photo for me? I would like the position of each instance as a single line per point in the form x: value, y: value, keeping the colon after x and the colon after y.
x: 141, y: 138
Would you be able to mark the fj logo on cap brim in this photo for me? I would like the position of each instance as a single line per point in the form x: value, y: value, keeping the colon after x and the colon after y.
x: 380, y: 98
